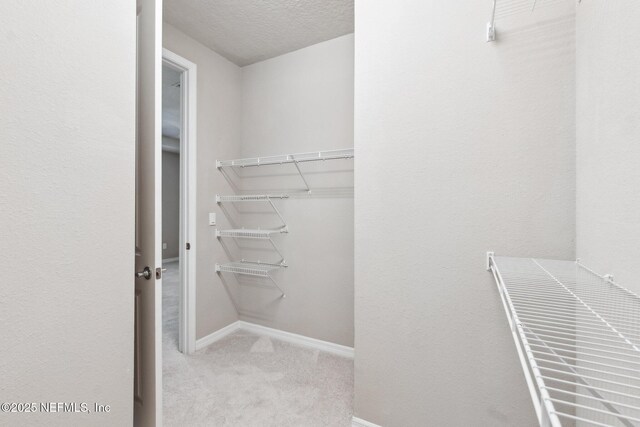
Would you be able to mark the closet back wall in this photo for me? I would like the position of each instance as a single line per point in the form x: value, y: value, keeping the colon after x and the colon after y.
x: 298, y: 102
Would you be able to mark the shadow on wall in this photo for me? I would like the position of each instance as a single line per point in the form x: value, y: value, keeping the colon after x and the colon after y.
x: 543, y: 30
x: 506, y: 8
x: 544, y: 39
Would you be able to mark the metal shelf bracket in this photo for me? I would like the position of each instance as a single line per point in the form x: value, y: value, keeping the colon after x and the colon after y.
x: 258, y: 198
x: 258, y: 234
x: 491, y: 25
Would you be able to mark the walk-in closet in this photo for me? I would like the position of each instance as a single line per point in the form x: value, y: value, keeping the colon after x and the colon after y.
x: 274, y: 275
x: 320, y: 213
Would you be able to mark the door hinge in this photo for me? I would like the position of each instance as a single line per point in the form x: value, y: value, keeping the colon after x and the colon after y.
x: 188, y: 246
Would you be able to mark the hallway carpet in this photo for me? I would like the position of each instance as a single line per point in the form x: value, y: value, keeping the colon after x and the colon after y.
x: 247, y: 380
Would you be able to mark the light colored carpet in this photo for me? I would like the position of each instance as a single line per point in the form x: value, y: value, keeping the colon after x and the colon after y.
x: 246, y: 380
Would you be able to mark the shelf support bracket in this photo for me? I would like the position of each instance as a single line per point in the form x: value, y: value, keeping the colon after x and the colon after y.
x: 490, y: 256
x: 283, y: 295
x: 306, y: 184
x: 281, y: 263
x: 491, y: 25
x: 285, y: 228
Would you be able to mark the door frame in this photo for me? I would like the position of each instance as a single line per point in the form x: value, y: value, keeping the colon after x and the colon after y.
x: 188, y: 179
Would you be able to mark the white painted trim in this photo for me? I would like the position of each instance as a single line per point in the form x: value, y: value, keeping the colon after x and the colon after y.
x: 217, y: 335
x: 166, y: 260
x: 188, y: 184
x: 301, y: 340
x: 359, y: 422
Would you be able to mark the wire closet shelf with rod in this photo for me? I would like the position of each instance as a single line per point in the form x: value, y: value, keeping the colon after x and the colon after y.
x: 577, y: 334
x: 261, y: 268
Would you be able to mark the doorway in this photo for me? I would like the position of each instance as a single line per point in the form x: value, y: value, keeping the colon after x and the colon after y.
x: 179, y: 203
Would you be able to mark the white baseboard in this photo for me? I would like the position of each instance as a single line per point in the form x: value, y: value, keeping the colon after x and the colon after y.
x: 170, y: 260
x: 217, y: 335
x: 301, y: 340
x: 359, y: 422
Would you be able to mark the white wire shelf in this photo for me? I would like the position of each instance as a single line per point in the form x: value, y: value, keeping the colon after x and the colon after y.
x: 246, y: 233
x: 346, y: 153
x: 578, y: 337
x: 250, y: 197
x: 257, y: 234
x: 251, y: 269
x: 295, y: 159
x: 256, y: 198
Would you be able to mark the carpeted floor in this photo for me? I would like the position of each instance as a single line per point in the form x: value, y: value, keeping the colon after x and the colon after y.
x: 246, y: 380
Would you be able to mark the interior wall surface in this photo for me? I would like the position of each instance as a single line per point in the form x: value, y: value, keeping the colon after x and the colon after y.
x: 463, y: 147
x: 608, y: 131
x: 300, y: 102
x: 218, y: 136
x: 67, y: 209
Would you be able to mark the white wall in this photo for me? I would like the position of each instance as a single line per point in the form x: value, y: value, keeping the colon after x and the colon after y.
x: 67, y: 129
x: 171, y: 202
x: 302, y: 101
x: 462, y: 147
x: 218, y: 136
x: 608, y: 145
x: 608, y: 136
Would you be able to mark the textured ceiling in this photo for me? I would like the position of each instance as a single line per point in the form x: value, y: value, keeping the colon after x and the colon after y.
x: 248, y: 31
x: 170, y: 102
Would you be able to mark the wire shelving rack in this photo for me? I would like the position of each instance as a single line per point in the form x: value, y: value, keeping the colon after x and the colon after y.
x: 577, y: 334
x: 345, y: 153
x: 295, y: 159
x: 246, y: 233
x: 258, y: 268
x: 257, y: 198
x: 257, y: 234
x: 251, y: 269
x: 249, y: 197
